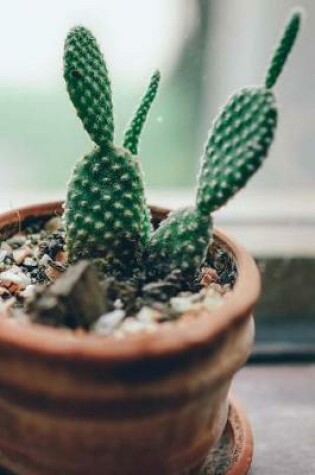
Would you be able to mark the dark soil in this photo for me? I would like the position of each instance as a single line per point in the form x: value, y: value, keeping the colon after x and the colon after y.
x: 36, y: 255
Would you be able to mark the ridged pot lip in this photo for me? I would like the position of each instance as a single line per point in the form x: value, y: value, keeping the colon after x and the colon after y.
x: 167, y: 340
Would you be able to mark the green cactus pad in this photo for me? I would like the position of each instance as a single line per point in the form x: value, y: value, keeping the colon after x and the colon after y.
x: 132, y: 135
x: 282, y: 52
x: 180, y: 242
x: 88, y: 85
x: 105, y: 212
x: 238, y: 143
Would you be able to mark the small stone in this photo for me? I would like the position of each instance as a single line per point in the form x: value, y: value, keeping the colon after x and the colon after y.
x: 208, y: 275
x: 20, y: 254
x: 45, y: 260
x: 29, y: 262
x: 6, y: 247
x: 3, y: 255
x: 148, y: 315
x: 62, y: 257
x: 108, y: 322
x: 212, y: 299
x: 182, y: 304
x: 58, y: 266
x: 8, y: 277
x: 131, y: 325
x: 52, y: 273
x: 28, y: 292
x: 53, y: 224
x: 17, y: 240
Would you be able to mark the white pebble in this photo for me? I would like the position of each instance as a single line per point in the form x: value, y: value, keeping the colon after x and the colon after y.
x: 45, y: 260
x: 212, y: 299
x: 29, y: 291
x: 131, y: 325
x: 148, y: 315
x: 118, y: 304
x: 181, y: 304
x: 109, y: 321
x: 3, y: 255
x: 19, y: 279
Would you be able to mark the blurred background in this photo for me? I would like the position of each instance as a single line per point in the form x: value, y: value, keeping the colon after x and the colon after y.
x: 205, y: 49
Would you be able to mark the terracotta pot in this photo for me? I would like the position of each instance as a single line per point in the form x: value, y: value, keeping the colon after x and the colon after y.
x: 153, y: 403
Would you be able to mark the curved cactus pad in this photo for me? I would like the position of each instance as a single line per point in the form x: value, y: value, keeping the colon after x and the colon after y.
x: 132, y: 135
x: 282, y: 52
x: 105, y: 212
x: 88, y: 84
x: 238, y: 143
x: 180, y: 242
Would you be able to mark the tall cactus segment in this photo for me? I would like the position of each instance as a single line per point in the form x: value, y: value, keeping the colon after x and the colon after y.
x: 283, y: 50
x: 238, y: 143
x: 88, y: 85
x: 105, y: 211
x: 133, y: 132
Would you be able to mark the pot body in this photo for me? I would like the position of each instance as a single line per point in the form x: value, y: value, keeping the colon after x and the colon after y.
x: 157, y: 412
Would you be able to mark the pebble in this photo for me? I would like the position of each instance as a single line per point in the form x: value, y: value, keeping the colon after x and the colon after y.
x: 118, y: 304
x: 17, y: 240
x: 132, y: 325
x: 53, y: 224
x: 108, y: 322
x: 212, y: 300
x: 52, y: 273
x: 28, y: 291
x: 208, y: 275
x: 8, y: 277
x: 5, y: 247
x: 45, y: 260
x: 182, y: 304
x: 148, y: 315
x: 29, y: 262
x: 20, y: 254
x: 3, y: 255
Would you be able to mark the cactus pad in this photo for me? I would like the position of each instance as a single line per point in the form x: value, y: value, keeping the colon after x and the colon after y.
x: 180, y: 242
x: 238, y: 143
x: 88, y: 85
x: 105, y: 214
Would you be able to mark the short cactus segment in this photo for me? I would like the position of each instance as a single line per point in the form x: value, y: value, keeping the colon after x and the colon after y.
x: 88, y: 85
x: 105, y: 211
x: 132, y: 135
x: 238, y: 143
x: 180, y: 242
x: 282, y: 52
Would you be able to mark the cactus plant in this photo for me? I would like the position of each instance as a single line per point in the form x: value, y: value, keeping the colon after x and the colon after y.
x: 106, y: 212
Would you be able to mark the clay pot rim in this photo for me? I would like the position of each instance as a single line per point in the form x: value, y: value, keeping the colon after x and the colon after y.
x: 169, y: 339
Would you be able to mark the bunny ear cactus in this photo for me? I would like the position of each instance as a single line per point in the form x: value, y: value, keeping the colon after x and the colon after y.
x: 238, y: 143
x: 105, y: 213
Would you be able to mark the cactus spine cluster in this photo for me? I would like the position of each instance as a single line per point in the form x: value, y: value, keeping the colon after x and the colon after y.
x: 106, y: 212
